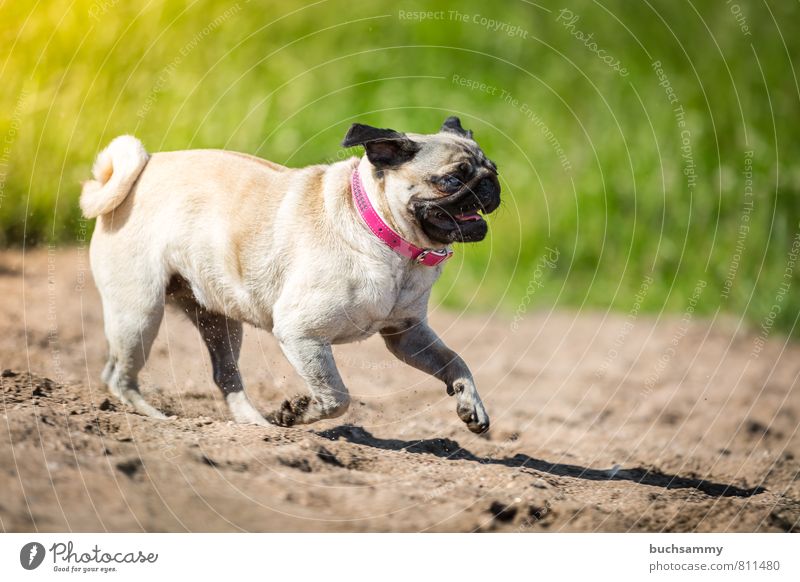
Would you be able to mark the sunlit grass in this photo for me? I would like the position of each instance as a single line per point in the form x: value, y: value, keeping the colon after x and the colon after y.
x: 284, y: 81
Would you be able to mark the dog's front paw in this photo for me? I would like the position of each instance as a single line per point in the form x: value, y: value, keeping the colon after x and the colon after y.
x: 290, y: 412
x: 469, y: 407
x: 474, y: 417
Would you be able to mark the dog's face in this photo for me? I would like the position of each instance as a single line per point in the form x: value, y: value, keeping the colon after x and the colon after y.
x: 439, y: 185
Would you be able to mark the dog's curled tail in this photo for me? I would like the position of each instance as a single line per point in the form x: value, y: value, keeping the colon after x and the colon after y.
x: 115, y: 171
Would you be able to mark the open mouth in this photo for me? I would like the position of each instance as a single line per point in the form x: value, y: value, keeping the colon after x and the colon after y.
x: 446, y: 218
x: 457, y: 221
x: 467, y: 217
x: 459, y: 217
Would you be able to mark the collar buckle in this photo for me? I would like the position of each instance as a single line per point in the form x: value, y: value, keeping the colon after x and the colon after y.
x: 432, y: 257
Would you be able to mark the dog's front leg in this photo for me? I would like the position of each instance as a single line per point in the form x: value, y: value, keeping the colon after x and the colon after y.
x: 418, y: 345
x: 313, y: 360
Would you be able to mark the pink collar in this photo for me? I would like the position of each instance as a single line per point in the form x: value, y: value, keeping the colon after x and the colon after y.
x: 427, y: 257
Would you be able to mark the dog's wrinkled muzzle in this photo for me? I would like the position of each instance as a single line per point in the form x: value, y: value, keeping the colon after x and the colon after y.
x: 459, y: 217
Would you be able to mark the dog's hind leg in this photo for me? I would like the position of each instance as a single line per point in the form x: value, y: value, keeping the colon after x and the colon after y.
x: 223, y: 338
x: 131, y: 328
x: 108, y: 370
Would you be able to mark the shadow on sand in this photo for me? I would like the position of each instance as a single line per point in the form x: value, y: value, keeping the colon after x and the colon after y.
x: 451, y: 450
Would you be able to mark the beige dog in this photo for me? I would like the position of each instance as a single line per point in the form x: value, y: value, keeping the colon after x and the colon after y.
x: 321, y: 255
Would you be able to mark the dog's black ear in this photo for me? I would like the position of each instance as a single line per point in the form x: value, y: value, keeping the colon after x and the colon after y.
x: 385, y: 147
x: 453, y: 125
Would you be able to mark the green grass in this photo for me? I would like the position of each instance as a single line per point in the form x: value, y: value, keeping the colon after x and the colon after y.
x: 284, y: 81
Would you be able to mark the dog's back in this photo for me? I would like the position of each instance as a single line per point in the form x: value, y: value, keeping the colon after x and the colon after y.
x: 202, y: 214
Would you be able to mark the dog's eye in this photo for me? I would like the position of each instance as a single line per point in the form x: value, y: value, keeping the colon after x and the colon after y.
x: 450, y: 183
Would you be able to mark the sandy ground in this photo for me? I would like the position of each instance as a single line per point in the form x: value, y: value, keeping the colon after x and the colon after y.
x: 597, y: 425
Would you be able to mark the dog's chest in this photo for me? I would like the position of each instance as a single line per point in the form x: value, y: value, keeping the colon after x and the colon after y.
x: 381, y: 300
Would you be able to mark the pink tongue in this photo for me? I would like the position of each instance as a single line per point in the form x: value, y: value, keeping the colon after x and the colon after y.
x: 468, y: 216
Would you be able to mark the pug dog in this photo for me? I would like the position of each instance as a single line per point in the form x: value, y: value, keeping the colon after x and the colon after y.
x: 322, y: 255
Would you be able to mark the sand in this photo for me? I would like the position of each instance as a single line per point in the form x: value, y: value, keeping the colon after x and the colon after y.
x: 600, y: 422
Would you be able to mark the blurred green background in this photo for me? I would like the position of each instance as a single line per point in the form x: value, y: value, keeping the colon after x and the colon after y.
x: 596, y: 163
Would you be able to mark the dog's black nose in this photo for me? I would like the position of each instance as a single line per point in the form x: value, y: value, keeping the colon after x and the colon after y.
x: 488, y: 193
